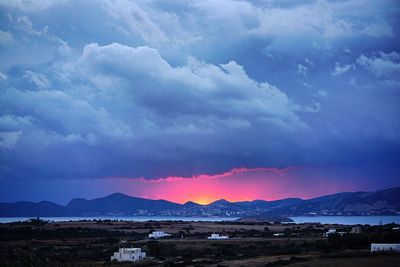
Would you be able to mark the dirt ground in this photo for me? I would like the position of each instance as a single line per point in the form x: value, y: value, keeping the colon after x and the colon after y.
x: 378, y: 261
x: 175, y: 227
x: 91, y: 243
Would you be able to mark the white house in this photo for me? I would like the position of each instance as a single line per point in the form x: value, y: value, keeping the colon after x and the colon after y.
x: 128, y: 254
x: 375, y: 247
x: 279, y: 234
x: 217, y: 236
x: 356, y: 229
x: 330, y: 232
x: 158, y: 234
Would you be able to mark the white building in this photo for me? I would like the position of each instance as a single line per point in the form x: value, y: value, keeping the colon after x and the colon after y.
x: 330, y: 232
x: 128, y: 254
x: 356, y: 229
x: 279, y: 234
x: 217, y: 236
x: 158, y: 234
x: 375, y: 247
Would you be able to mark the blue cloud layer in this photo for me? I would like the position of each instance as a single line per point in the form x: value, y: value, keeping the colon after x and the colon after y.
x: 158, y: 88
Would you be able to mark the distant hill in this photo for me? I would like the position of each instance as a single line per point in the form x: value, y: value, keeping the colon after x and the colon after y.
x: 31, y: 209
x: 383, y: 202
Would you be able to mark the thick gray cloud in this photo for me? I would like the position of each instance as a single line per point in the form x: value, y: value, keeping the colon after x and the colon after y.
x: 156, y: 88
x: 197, y: 88
x: 134, y: 98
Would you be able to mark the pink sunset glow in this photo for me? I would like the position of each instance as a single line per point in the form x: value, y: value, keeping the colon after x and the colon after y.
x: 239, y: 184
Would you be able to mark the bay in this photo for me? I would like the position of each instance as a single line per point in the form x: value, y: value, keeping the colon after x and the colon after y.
x: 122, y: 218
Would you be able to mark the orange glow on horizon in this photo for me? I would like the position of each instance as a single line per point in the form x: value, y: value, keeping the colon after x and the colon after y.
x: 204, y: 200
x: 240, y: 184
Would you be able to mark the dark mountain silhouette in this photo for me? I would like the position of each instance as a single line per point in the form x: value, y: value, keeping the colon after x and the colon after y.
x: 382, y: 202
x: 191, y: 204
x: 118, y: 204
x: 31, y: 209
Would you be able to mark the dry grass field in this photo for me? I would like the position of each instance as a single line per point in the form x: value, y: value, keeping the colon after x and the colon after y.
x: 91, y: 243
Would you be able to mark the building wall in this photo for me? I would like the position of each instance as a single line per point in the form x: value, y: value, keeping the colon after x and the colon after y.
x: 123, y: 255
x: 385, y: 247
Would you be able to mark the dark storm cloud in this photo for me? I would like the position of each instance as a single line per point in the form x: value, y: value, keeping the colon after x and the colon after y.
x: 152, y: 89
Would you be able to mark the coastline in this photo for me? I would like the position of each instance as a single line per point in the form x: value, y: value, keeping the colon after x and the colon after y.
x: 344, y: 220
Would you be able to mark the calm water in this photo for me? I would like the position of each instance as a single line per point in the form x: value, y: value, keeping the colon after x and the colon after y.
x: 123, y: 218
x: 348, y: 220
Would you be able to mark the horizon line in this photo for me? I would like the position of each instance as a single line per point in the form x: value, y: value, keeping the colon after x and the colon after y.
x: 219, y: 199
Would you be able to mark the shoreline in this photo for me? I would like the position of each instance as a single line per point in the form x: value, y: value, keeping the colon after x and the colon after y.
x: 331, y: 219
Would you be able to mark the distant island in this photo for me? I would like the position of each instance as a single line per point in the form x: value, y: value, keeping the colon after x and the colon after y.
x: 383, y: 202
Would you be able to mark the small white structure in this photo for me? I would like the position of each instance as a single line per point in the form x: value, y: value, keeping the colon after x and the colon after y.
x: 279, y: 234
x: 330, y: 232
x: 128, y: 254
x: 375, y: 247
x: 215, y: 236
x: 356, y: 229
x: 158, y: 234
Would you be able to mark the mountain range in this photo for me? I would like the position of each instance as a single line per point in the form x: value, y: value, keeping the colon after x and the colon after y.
x: 382, y: 202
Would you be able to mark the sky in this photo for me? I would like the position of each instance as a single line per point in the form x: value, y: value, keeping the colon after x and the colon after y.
x: 197, y: 99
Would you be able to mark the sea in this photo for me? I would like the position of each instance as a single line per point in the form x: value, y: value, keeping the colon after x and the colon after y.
x: 348, y: 220
x: 345, y: 220
x: 122, y: 218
